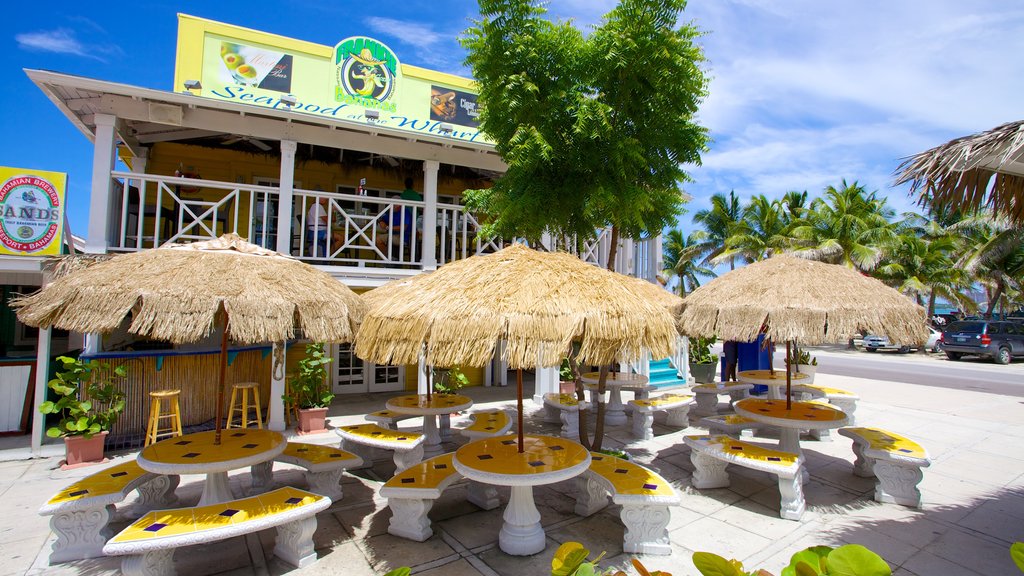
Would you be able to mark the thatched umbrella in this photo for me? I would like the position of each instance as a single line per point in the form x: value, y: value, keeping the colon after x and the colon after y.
x: 537, y: 302
x: 178, y: 292
x: 968, y: 173
x: 794, y: 299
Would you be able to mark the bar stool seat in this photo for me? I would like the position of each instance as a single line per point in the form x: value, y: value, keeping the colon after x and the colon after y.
x: 154, y: 431
x: 247, y: 389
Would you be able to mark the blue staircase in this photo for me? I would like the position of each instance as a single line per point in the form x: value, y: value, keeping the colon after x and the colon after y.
x: 663, y: 375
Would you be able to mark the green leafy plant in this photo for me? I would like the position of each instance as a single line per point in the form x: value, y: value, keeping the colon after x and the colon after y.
x: 848, y: 560
x: 700, y: 350
x: 1017, y: 554
x: 615, y: 453
x: 449, y: 380
x: 571, y: 560
x: 103, y: 400
x: 565, y: 371
x: 309, y: 386
x: 403, y: 571
x: 804, y: 357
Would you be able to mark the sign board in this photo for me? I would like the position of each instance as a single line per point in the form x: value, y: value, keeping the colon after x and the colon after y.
x: 31, y: 211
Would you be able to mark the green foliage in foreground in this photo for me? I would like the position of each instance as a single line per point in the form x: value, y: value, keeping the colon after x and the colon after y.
x: 849, y: 560
x: 88, y: 417
x: 309, y: 386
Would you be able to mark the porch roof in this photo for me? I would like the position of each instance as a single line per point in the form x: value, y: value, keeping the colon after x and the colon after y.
x: 146, y: 116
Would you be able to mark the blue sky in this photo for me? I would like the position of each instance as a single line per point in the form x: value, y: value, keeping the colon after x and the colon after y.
x: 804, y: 93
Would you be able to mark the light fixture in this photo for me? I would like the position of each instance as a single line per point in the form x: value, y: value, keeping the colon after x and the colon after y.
x: 191, y: 85
x: 371, y: 115
x: 289, y: 100
x: 446, y: 128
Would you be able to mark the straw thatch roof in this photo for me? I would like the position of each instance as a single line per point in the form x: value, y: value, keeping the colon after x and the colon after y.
x: 655, y: 293
x: 981, y: 170
x: 804, y: 300
x: 174, y: 293
x: 537, y: 302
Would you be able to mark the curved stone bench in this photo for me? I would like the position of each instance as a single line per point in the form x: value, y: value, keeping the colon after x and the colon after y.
x: 732, y: 424
x: 711, y: 454
x: 896, y: 461
x: 644, y: 495
x: 362, y: 438
x: 676, y: 406
x: 842, y: 399
x: 324, y: 466
x: 149, y: 543
x: 487, y: 424
x: 81, y: 513
x: 568, y: 409
x: 388, y: 418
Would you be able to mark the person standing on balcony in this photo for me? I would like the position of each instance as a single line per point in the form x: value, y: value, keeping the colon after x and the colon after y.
x: 409, y: 193
x: 316, y: 228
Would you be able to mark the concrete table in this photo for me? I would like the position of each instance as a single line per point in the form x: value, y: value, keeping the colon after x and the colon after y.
x: 430, y: 408
x: 615, y: 411
x: 775, y: 381
x: 802, y: 416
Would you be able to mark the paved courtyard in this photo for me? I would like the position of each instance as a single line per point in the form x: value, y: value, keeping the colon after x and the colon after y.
x: 973, y: 510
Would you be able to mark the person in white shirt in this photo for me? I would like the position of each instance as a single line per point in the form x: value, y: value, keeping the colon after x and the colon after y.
x: 316, y: 228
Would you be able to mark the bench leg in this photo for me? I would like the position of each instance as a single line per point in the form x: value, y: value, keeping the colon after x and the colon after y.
x: 407, y: 458
x: 643, y: 423
x: 822, y: 435
x: 262, y: 477
x: 295, y: 542
x: 80, y: 533
x: 552, y: 415
x: 679, y: 417
x: 364, y: 452
x: 409, y: 518
x: 847, y: 405
x: 445, y: 427
x: 737, y: 395
x: 157, y: 494
x: 590, y: 495
x: 326, y: 483
x: 570, y: 424
x: 862, y: 466
x: 707, y: 404
x: 152, y: 563
x: 791, y: 491
x: 898, y: 484
x: 484, y: 496
x: 709, y: 472
x: 646, y: 529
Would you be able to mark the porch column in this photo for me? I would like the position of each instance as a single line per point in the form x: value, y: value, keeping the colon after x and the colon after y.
x: 275, y: 410
x: 103, y: 157
x: 656, y: 257
x: 546, y: 380
x: 421, y: 375
x: 42, y: 373
x: 285, y: 197
x: 428, y: 249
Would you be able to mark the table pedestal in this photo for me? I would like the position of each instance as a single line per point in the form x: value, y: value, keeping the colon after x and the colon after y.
x: 615, y: 412
x: 216, y: 489
x: 432, y: 440
x: 521, y: 534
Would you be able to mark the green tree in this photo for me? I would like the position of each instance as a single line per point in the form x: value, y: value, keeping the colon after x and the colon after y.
x: 595, y: 130
x: 995, y: 257
x: 719, y: 222
x: 794, y: 205
x: 681, y: 255
x: 848, y: 225
x: 760, y: 233
x: 943, y: 278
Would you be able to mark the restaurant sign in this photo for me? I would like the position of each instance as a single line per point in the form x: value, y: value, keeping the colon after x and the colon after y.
x: 31, y: 211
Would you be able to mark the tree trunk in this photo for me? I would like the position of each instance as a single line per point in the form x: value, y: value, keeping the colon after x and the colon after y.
x: 613, y: 249
x: 931, y: 303
x: 584, y: 433
x: 599, y: 427
x: 994, y: 297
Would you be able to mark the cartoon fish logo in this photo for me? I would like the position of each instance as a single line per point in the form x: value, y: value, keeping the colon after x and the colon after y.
x: 29, y: 197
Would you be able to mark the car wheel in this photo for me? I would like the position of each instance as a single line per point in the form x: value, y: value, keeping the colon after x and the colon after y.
x: 903, y: 349
x: 953, y: 355
x: 1003, y: 356
x: 872, y: 349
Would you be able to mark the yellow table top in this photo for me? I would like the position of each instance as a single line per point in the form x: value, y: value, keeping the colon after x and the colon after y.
x: 427, y: 474
x: 768, y: 375
x: 888, y: 442
x: 198, y: 448
x: 541, y: 454
x: 562, y: 398
x: 383, y: 434
x: 662, y: 400
x: 616, y: 378
x: 436, y: 404
x: 800, y: 412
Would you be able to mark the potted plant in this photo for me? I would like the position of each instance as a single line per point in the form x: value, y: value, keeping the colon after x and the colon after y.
x: 449, y: 380
x: 702, y: 363
x: 309, y: 390
x: 805, y: 363
x: 567, y: 380
x: 88, y: 403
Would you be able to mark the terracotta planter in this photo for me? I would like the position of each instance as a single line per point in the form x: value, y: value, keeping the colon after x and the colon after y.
x: 312, y: 421
x: 82, y: 451
x: 703, y: 373
x: 567, y: 387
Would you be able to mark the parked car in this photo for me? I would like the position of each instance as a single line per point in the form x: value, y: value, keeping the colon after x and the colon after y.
x: 999, y: 340
x: 874, y: 343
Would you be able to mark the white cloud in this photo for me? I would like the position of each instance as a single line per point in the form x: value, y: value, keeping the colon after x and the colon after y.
x: 439, y: 50
x: 64, y: 41
x: 413, y: 33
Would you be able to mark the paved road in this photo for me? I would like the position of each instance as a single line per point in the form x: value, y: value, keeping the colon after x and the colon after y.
x: 924, y: 369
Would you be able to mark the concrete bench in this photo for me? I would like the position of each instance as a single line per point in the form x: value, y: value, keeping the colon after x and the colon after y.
x: 81, y: 513
x: 487, y: 425
x: 731, y: 424
x: 362, y: 438
x: 411, y: 494
x: 707, y: 395
x: 568, y: 410
x: 388, y: 418
x: 842, y: 399
x: 676, y: 406
x: 894, y: 460
x: 644, y: 495
x: 711, y: 454
x: 149, y: 543
x: 324, y: 466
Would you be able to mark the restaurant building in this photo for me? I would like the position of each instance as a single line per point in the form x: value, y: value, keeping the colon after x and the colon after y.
x: 303, y: 148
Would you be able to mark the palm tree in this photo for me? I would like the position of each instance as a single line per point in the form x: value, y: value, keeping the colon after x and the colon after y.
x: 922, y: 268
x: 681, y: 254
x: 761, y: 232
x: 996, y: 257
x: 940, y: 227
x: 794, y: 205
x: 719, y: 222
x: 847, y: 226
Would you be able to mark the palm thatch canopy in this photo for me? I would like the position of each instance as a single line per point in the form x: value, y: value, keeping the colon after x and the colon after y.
x: 804, y: 300
x: 175, y: 292
x: 655, y: 293
x: 972, y: 172
x: 537, y: 302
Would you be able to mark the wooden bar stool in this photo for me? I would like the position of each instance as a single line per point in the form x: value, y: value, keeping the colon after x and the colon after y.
x: 156, y: 414
x: 247, y: 389
x: 291, y: 402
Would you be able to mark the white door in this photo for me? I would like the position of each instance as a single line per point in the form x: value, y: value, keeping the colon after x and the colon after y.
x: 348, y: 370
x: 386, y: 378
